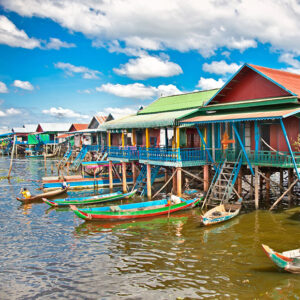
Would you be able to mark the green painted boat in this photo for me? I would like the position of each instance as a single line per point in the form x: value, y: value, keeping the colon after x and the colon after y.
x: 136, y: 210
x: 90, y: 199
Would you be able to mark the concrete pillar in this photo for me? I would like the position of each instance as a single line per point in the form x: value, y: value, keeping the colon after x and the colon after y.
x: 256, y: 188
x: 179, y: 182
x: 206, y: 178
x: 110, y: 176
x: 149, y: 192
x: 124, y: 177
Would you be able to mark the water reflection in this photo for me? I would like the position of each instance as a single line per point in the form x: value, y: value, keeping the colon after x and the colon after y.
x: 50, y: 254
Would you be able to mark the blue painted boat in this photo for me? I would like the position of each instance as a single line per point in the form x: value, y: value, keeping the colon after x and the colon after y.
x: 79, y: 182
x: 89, y: 200
x: 222, y: 213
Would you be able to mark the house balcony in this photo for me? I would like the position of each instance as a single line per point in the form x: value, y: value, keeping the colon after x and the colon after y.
x: 188, y: 157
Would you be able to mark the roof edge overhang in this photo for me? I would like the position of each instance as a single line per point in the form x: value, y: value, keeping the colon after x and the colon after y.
x: 246, y: 65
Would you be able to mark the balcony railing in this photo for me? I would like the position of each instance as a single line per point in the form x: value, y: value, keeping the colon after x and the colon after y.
x: 163, y: 154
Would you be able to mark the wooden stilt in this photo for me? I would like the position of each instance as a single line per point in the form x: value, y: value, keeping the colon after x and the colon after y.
x: 281, y: 180
x: 251, y: 187
x: 133, y: 172
x: 174, y: 188
x: 290, y: 180
x: 256, y: 188
x: 267, y: 197
x: 165, y: 184
x: 124, y: 176
x: 179, y: 182
x: 149, y: 192
x: 166, y: 175
x: 52, y: 169
x: 110, y: 176
x: 240, y: 181
x: 206, y: 178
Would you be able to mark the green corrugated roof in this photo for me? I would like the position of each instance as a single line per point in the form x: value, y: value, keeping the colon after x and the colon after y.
x: 179, y: 102
x: 163, y: 119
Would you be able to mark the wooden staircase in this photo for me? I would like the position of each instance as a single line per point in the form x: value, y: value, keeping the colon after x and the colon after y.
x: 222, y: 187
x: 141, y: 182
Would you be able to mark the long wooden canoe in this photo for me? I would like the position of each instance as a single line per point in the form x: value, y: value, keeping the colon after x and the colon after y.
x: 222, y: 213
x: 135, y: 210
x: 40, y: 196
x: 288, y: 260
x: 90, y: 199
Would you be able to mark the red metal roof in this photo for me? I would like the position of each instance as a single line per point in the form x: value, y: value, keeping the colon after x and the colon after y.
x: 288, y: 80
x: 101, y: 119
x: 76, y: 127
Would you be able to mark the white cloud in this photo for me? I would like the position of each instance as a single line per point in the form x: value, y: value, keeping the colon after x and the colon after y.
x: 71, y: 69
x: 209, y: 83
x: 289, y: 59
x: 60, y: 112
x: 117, y: 112
x: 175, y: 24
x: 220, y: 67
x: 138, y: 90
x: 57, y: 44
x: 12, y: 36
x: 3, y: 88
x: 10, y: 112
x: 149, y: 66
x: 25, y: 85
x: 86, y: 91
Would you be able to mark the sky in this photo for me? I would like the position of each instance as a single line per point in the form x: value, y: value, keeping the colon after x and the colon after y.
x: 67, y: 60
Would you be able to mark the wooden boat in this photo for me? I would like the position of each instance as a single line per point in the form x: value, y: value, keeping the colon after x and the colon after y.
x: 288, y: 260
x: 78, y: 182
x: 136, y: 210
x: 222, y: 213
x: 40, y: 196
x: 90, y: 199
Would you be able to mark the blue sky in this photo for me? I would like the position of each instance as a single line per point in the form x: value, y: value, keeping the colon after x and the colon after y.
x: 65, y: 61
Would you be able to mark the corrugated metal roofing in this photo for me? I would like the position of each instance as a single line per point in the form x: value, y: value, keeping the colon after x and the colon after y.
x: 163, y: 119
x: 101, y: 119
x: 31, y: 127
x: 243, y: 116
x: 179, y: 102
x: 290, y: 81
x: 55, y: 127
x: 78, y: 126
x: 20, y: 130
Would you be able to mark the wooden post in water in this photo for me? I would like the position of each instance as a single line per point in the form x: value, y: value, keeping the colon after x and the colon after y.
x: 256, y: 188
x: 52, y: 168
x: 12, y: 157
x: 179, y: 182
x: 281, y: 180
x: 267, y: 197
x: 206, y: 178
x: 290, y: 181
x: 149, y: 194
x: 110, y: 176
x: 124, y: 175
x: 251, y: 187
x: 240, y: 182
x: 133, y: 173
x: 174, y: 187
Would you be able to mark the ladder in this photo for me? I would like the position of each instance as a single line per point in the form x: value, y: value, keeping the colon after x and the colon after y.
x: 66, y: 157
x: 79, y: 158
x: 141, y: 182
x: 223, y: 183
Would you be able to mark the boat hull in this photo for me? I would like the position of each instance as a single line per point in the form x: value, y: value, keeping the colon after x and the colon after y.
x: 135, y: 210
x: 89, y: 200
x: 289, y: 264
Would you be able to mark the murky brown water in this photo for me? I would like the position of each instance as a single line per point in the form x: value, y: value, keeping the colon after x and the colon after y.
x: 51, y: 254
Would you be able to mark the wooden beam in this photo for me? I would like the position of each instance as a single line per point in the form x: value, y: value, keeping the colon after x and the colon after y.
x: 124, y: 173
x: 256, y: 185
x: 193, y: 175
x: 149, y: 192
x: 177, y: 138
x: 281, y: 197
x: 179, y: 182
x: 110, y: 176
x: 147, y: 138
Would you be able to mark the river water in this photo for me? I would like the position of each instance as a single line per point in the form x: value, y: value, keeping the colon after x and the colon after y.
x: 51, y: 254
